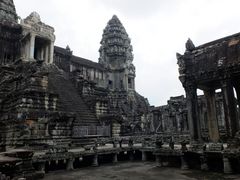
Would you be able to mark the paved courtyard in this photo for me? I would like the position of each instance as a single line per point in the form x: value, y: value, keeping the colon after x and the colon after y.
x: 135, y: 171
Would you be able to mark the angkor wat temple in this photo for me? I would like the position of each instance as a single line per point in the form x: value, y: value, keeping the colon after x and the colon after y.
x: 48, y: 94
x: 60, y: 111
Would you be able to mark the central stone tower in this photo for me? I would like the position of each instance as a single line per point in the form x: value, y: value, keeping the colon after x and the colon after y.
x: 116, y: 56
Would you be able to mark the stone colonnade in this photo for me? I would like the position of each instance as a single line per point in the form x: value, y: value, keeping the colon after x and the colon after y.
x: 230, y: 110
x: 43, y: 53
x: 227, y: 167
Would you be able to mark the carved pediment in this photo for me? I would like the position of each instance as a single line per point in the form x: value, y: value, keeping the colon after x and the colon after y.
x: 33, y: 24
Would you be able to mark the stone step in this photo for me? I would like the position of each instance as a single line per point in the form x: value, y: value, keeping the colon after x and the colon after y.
x: 70, y: 100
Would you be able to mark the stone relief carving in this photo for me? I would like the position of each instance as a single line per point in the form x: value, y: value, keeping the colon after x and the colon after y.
x: 181, y: 63
x: 33, y: 23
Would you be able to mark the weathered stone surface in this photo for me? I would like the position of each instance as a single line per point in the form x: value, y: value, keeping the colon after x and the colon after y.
x: 115, y: 42
x: 7, y: 11
x: 173, y: 117
x: 38, y: 39
x: 214, y: 65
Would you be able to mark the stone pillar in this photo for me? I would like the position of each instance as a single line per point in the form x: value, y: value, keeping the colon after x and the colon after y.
x: 212, y: 116
x: 131, y: 155
x: 144, y: 156
x: 95, y: 161
x: 115, y: 158
x: 158, y: 161
x: 237, y: 88
x: 227, y: 166
x: 41, y: 167
x: 230, y: 109
x: 46, y: 54
x: 133, y: 83
x: 51, y: 51
x: 192, y: 106
x: 204, y: 165
x: 70, y: 164
x: 27, y: 50
x: 32, y: 45
x: 184, y: 164
x: 42, y: 54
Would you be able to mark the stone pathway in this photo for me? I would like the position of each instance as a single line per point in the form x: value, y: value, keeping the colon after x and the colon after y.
x: 135, y: 171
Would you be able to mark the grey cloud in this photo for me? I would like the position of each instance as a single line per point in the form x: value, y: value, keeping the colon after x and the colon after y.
x: 139, y: 8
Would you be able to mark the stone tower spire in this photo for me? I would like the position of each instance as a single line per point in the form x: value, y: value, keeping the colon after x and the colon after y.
x: 7, y: 11
x: 116, y: 56
x: 115, y: 44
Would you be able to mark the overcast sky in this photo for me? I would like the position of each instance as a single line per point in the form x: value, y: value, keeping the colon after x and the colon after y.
x: 158, y: 29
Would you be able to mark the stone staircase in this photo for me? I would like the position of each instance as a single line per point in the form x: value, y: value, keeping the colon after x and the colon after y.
x: 70, y: 100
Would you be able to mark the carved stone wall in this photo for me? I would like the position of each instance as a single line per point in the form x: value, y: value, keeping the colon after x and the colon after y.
x: 30, y: 113
x: 173, y: 117
x: 7, y: 11
x: 10, y: 35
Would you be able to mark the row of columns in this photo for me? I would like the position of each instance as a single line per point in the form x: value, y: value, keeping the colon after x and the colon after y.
x: 227, y: 168
x: 230, y: 111
x: 44, y: 53
x: 159, y: 163
x: 69, y: 163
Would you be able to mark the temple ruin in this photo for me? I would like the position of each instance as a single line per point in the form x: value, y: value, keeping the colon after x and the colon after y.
x: 61, y: 111
x: 173, y: 117
x: 210, y: 67
x: 38, y: 39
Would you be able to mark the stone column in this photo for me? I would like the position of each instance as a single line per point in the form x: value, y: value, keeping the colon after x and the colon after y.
x: 95, y: 161
x: 184, y: 164
x: 158, y: 161
x: 131, y: 155
x: 26, y: 49
x: 204, y: 165
x: 32, y: 45
x: 115, y: 158
x: 41, y: 167
x: 192, y: 106
x: 227, y: 166
x: 237, y: 88
x: 70, y: 164
x: 46, y: 54
x: 133, y: 83
x: 51, y: 51
x: 144, y: 156
x: 212, y: 116
x: 42, y: 54
x: 230, y: 109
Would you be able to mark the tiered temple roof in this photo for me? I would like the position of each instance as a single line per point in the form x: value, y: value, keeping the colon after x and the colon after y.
x: 115, y: 42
